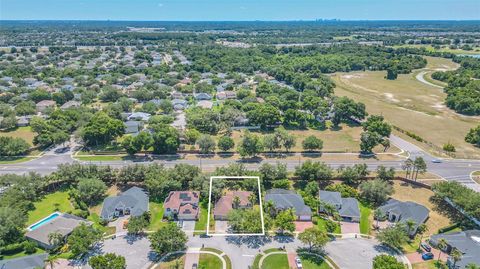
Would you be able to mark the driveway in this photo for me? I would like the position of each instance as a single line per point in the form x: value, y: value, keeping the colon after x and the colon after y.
x: 190, y: 259
x: 136, y: 250
x: 355, y: 253
x: 300, y: 226
x: 417, y: 257
x: 350, y: 227
x: 221, y: 226
x: 188, y: 227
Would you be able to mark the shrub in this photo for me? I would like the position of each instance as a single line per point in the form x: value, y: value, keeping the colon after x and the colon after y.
x: 29, y: 247
x: 449, y: 147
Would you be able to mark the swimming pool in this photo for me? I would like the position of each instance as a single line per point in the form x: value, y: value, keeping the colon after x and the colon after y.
x: 43, y: 221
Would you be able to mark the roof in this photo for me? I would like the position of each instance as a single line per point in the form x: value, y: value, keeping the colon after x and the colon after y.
x: 132, y: 126
x: 225, y: 203
x: 70, y: 104
x: 406, y: 210
x: 139, y: 115
x: 203, y: 96
x: 349, y: 208
x: 205, y: 104
x: 27, y: 262
x: 63, y: 224
x: 467, y: 242
x: 331, y: 197
x: 46, y: 103
x: 135, y: 198
x: 177, y: 198
x: 285, y: 199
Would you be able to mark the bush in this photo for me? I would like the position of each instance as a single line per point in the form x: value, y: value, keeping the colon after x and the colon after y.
x: 330, y: 226
x: 12, y: 248
x: 80, y: 213
x: 449, y: 147
x: 448, y: 228
x: 29, y: 247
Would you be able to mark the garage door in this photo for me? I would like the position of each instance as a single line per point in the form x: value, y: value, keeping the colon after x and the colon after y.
x: 305, y: 218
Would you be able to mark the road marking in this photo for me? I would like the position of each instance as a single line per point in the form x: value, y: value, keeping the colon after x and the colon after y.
x: 247, y: 255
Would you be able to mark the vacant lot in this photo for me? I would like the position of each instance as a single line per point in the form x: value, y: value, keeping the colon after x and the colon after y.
x: 22, y: 132
x: 408, y: 192
x: 411, y: 105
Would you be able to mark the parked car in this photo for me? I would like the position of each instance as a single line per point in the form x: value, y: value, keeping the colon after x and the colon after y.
x: 427, y: 256
x: 298, y: 262
x: 194, y: 266
x: 436, y: 161
x: 426, y: 247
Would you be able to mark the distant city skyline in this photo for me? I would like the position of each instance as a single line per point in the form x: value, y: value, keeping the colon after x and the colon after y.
x: 239, y: 10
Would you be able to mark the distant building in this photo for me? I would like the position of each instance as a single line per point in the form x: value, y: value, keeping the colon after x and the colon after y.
x: 42, y: 106
x: 182, y: 205
x: 70, y: 104
x: 288, y: 199
x: 205, y: 104
x: 133, y: 127
x: 133, y: 202
x: 226, y: 95
x: 226, y: 203
x: 142, y: 116
x: 179, y: 104
x: 203, y: 96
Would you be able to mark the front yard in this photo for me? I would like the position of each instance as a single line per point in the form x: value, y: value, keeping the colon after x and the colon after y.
x: 209, y: 261
x: 276, y: 261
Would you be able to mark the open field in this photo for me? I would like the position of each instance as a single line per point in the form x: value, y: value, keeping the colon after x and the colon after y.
x: 408, y: 192
x: 411, y: 105
x: 57, y: 201
x: 443, y: 48
x: 22, y: 132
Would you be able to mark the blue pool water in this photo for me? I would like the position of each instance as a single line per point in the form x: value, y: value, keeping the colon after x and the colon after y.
x: 43, y: 221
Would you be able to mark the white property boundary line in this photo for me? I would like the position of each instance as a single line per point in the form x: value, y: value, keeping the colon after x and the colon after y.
x: 210, y: 203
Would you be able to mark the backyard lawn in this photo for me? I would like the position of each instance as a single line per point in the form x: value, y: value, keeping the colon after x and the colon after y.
x: 275, y: 261
x: 209, y: 261
x: 201, y: 223
x: 156, y: 211
x: 313, y: 262
x: 57, y: 201
x: 365, y: 220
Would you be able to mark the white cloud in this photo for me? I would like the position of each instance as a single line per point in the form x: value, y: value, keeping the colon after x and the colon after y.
x: 160, y: 5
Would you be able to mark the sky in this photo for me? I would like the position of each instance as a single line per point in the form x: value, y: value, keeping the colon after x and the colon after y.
x: 239, y: 10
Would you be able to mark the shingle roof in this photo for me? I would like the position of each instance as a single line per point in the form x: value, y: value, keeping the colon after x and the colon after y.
x: 406, y: 210
x: 284, y: 199
x: 467, y: 242
x: 27, y: 262
x: 225, y: 203
x: 349, y: 208
x: 135, y: 198
x: 331, y: 197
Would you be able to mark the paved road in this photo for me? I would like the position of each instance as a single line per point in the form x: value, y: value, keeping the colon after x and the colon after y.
x: 450, y: 169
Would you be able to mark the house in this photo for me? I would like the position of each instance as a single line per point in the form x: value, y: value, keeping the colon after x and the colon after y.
x: 400, y: 212
x: 63, y: 224
x: 23, y: 121
x: 182, y: 205
x: 177, y: 95
x: 42, y: 106
x: 226, y: 203
x: 203, y: 96
x: 226, y: 95
x: 205, y: 104
x: 70, y: 104
x: 141, y: 116
x: 467, y: 242
x: 347, y: 208
x: 27, y: 262
x: 133, y: 127
x: 287, y: 199
x: 132, y: 202
x: 179, y: 104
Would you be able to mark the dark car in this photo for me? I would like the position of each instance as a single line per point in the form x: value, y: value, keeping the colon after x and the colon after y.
x: 426, y: 247
x: 427, y: 256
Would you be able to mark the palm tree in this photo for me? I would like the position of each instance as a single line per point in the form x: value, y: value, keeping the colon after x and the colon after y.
x: 236, y: 202
x: 456, y: 255
x: 270, y: 208
x: 252, y: 198
x: 407, y: 166
x: 410, y: 225
x: 55, y: 239
x: 442, y: 244
x: 378, y: 215
x: 420, y: 166
x: 422, y: 229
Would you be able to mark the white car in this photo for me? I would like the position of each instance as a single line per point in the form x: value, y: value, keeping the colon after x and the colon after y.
x: 436, y: 161
x: 298, y: 262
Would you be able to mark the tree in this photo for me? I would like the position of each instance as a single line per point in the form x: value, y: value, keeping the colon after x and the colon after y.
x: 473, y: 136
x: 420, y: 166
x: 102, y: 129
x: 271, y: 143
x: 312, y: 143
x: 55, y: 239
x: 421, y: 230
x: 12, y: 222
x: 82, y: 239
x: 168, y: 239
x: 346, y: 109
x: 8, y: 122
x: 376, y: 124
x: 250, y: 145
x: 143, y: 141
x: 244, y: 220
x: 91, y: 190
x: 310, y: 170
x: 138, y: 224
x: 352, y: 174
x: 165, y: 139
x: 408, y: 166
x: 385, y: 174
x: 10, y: 146
x: 264, y: 115
x: 369, y: 140
x: 442, y: 244
x: 314, y: 238
x: 385, y: 261
x: 410, y: 224
x: 284, y: 221
x: 472, y: 266
x: 392, y: 74
x: 107, y: 261
x: 206, y: 144
x: 394, y: 236
x: 376, y: 191
x: 191, y: 136
x: 225, y: 143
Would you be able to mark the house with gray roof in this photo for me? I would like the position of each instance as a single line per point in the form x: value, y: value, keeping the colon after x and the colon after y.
x: 288, y: 199
x: 63, y: 224
x: 139, y: 116
x: 203, y: 96
x: 400, y: 212
x: 347, y: 208
x: 133, y: 202
x: 26, y: 262
x: 179, y: 104
x: 132, y: 127
x: 467, y: 242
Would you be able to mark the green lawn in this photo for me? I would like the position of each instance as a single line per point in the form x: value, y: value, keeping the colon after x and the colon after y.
x: 101, y: 158
x: 201, y: 223
x: 21, y: 254
x: 57, y: 201
x: 275, y: 261
x: 7, y: 160
x: 321, y: 225
x: 156, y: 211
x: 209, y: 261
x: 365, y: 224
x: 313, y: 262
x: 429, y: 265
x: 95, y: 218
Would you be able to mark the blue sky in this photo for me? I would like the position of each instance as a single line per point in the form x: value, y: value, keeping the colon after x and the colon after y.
x: 240, y: 9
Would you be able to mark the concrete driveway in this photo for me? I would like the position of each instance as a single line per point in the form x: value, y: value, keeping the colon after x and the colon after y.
x: 355, y: 253
x: 188, y: 227
x: 136, y: 250
x: 221, y: 226
x: 350, y: 227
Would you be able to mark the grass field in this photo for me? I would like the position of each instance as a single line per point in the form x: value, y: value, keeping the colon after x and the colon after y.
x: 313, y: 262
x: 408, y: 192
x: 57, y: 201
x: 365, y: 219
x: 9, y: 160
x: 405, y: 99
x: 444, y: 48
x: 22, y: 254
x: 209, y: 261
x: 22, y: 132
x: 275, y: 261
